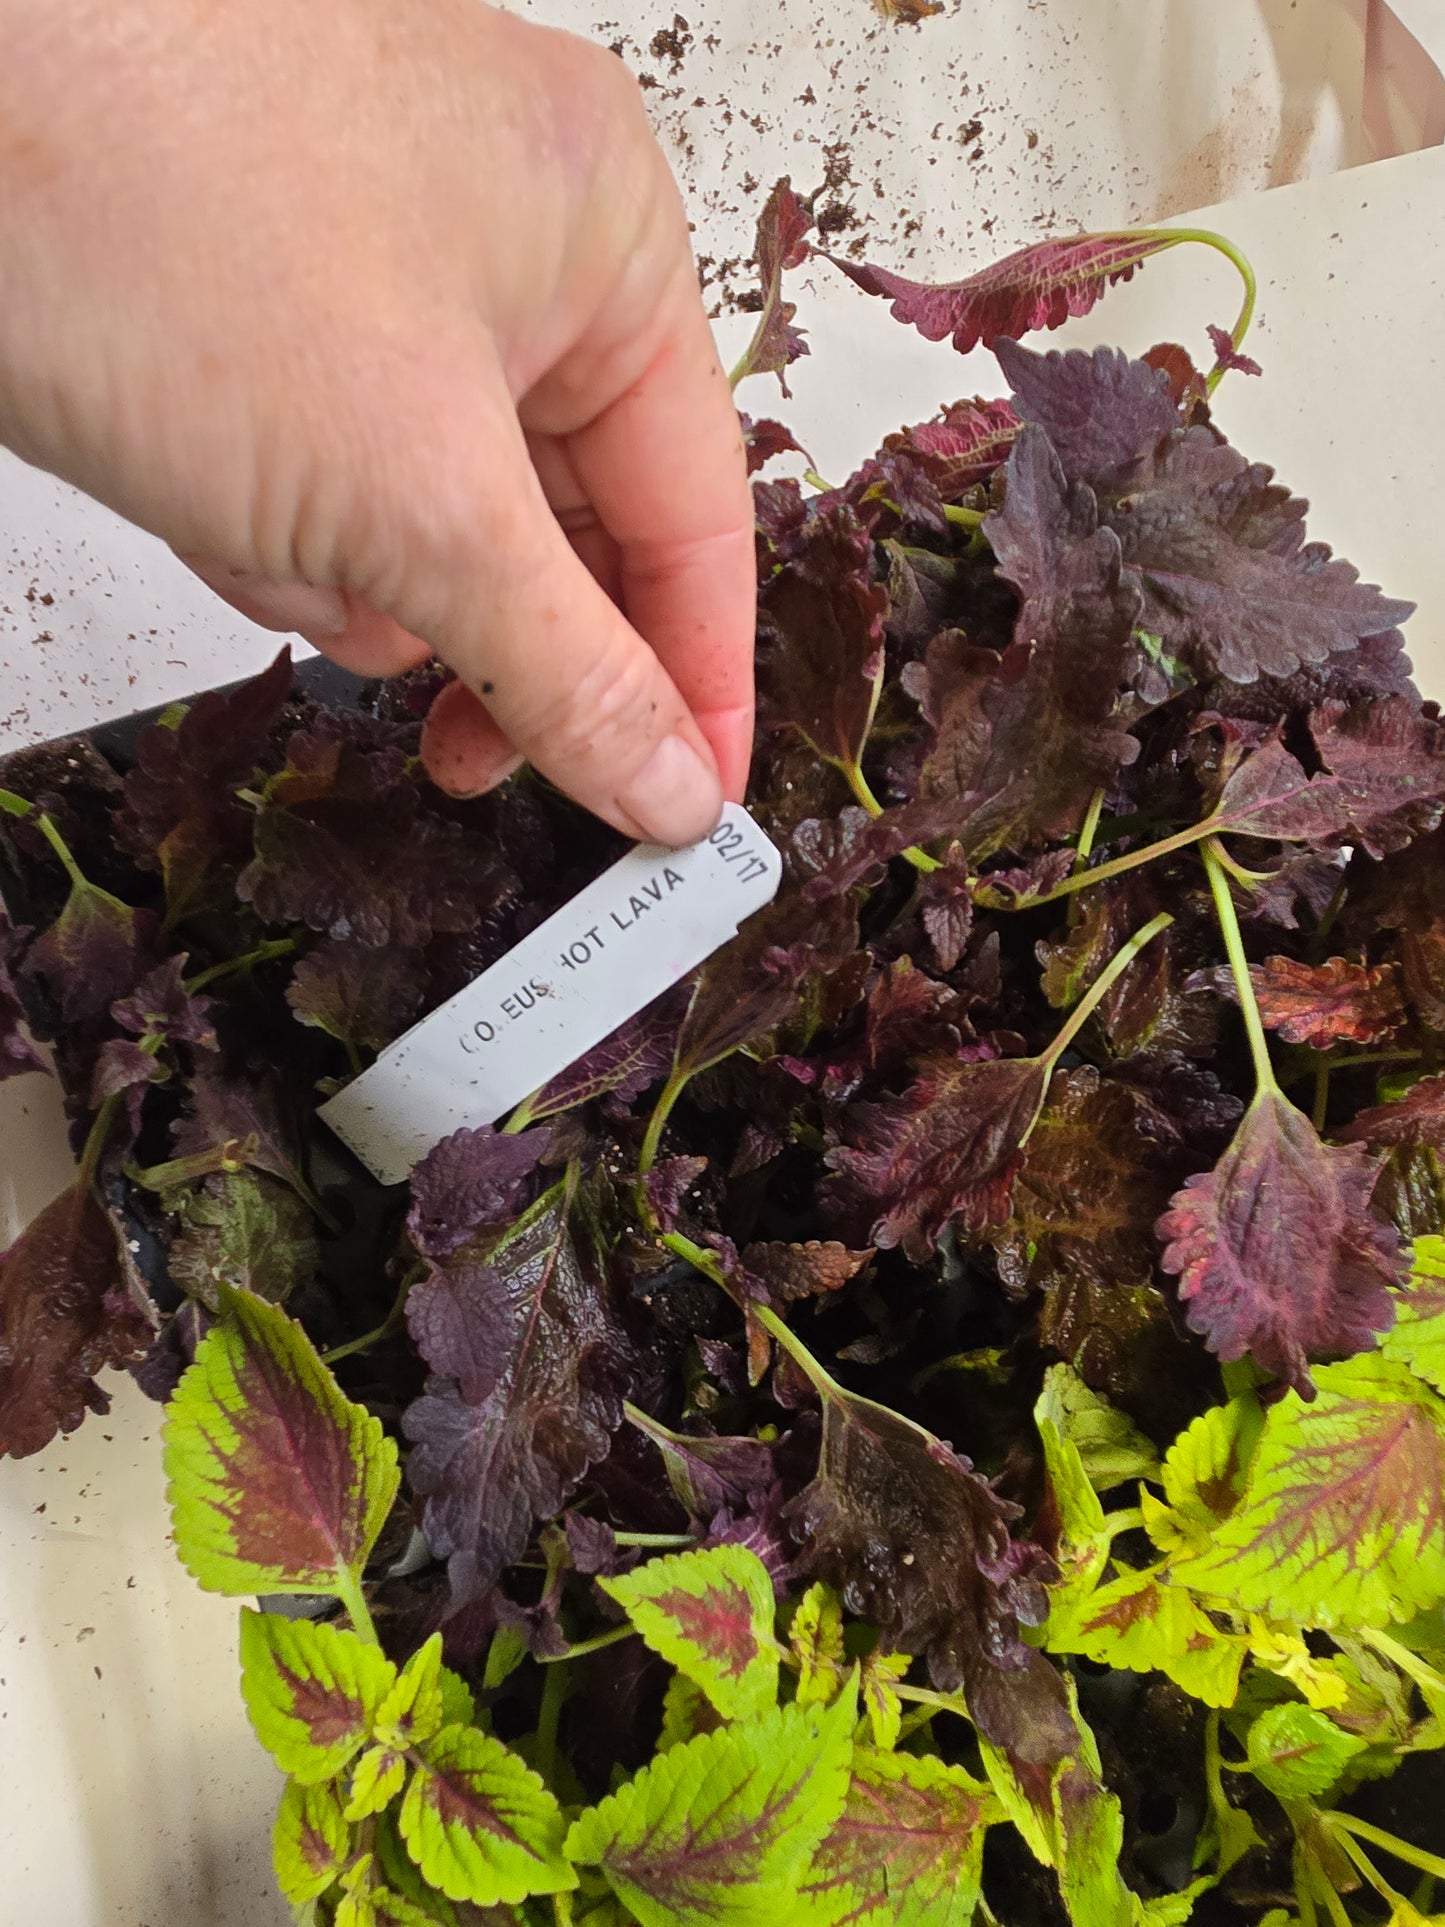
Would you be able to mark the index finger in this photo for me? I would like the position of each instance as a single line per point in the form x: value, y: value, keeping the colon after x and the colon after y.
x: 662, y: 466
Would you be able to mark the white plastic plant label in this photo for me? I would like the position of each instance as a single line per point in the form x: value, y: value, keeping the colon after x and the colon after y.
x: 622, y: 941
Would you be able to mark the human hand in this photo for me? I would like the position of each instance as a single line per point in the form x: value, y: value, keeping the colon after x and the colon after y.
x: 385, y: 318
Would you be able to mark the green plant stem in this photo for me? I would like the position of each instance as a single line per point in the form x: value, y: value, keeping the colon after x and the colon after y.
x: 1090, y: 829
x: 1409, y: 1663
x: 1390, y: 1843
x: 862, y: 790
x: 1121, y: 1522
x: 1299, y: 1867
x: 96, y: 1139
x: 657, y: 1541
x: 353, y: 1601
x: 797, y: 1351
x: 1371, y: 1872
x: 1120, y: 865
x: 384, y: 1330
x: 1237, y: 869
x: 262, y: 954
x: 1102, y: 985
x: 965, y: 518
x: 707, y: 1262
x: 671, y: 1091
x: 1334, y: 1906
x: 562, y: 1910
x: 1239, y: 966
x: 584, y: 1646
x: 522, y: 1116
x: 1321, y: 1108
x: 549, y: 1715
x: 17, y: 806
x: 940, y: 1702
x: 1222, y: 245
x: 815, y: 480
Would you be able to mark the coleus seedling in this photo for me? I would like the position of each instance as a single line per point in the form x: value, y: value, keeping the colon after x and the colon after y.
x: 741, y: 1487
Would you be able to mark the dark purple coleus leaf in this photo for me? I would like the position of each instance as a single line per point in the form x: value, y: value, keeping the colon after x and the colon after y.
x: 1276, y: 1250
x: 853, y: 849
x: 907, y: 1013
x: 250, y: 1121
x: 124, y: 1068
x: 667, y: 1184
x: 963, y: 448
x: 1099, y: 410
x: 160, y: 1006
x: 17, y: 1053
x: 96, y: 951
x: 1186, y: 384
x: 1092, y: 1184
x: 180, y: 812
x: 366, y: 998
x: 945, y: 908
x: 1416, y: 1118
x: 949, y: 1147
x: 1318, y: 1005
x: 65, y: 1314
x: 765, y: 440
x: 525, y: 1397
x: 786, y: 1272
x: 919, y: 1545
x: 782, y: 243
x: 1227, y: 356
x: 1382, y: 780
x: 624, y: 1065
x: 751, y: 985
x: 1027, y: 738
x: 709, y: 1474
x: 470, y: 1180
x: 1229, y: 583
x: 821, y: 645
x: 376, y: 876
x: 1038, y: 287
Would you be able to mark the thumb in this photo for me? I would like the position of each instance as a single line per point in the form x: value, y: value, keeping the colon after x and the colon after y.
x: 558, y: 669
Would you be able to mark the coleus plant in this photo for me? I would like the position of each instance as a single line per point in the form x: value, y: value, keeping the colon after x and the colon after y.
x: 943, y: 1414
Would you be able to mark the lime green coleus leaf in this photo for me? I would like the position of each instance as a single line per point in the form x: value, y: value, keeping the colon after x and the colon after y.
x: 1071, y: 1822
x: 879, y: 1678
x: 1111, y: 1448
x: 415, y: 1707
x: 481, y: 1825
x: 1204, y: 1476
x: 309, y: 1842
x: 1089, y: 1830
x: 907, y: 1850
x: 1083, y: 1534
x: 1342, y: 1522
x: 1297, y: 1752
x: 312, y: 1692
x: 277, y: 1482
x: 1418, y: 1336
x: 816, y: 1637
x: 686, y: 1712
x: 722, y: 1828
x: 379, y: 1776
x: 1141, y: 1623
x: 709, y: 1614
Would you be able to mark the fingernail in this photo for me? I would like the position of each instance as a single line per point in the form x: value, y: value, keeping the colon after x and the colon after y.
x: 675, y: 797
x: 473, y: 786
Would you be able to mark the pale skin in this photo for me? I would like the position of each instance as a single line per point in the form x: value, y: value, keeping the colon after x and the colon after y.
x: 384, y: 317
